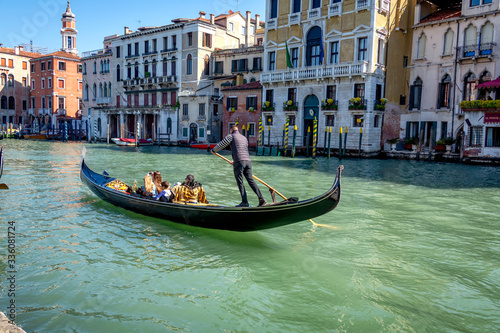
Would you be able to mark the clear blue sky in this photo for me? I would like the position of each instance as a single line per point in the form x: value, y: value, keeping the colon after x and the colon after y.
x: 40, y: 20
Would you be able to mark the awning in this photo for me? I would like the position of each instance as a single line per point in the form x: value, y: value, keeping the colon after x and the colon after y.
x: 494, y: 84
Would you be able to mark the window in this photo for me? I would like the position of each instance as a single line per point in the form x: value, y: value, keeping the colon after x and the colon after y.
x: 136, y: 100
x: 32, y: 66
x: 380, y: 51
x: 251, y: 129
x: 316, y: 4
x: 43, y: 102
x: 296, y: 6
x: 292, y: 94
x: 492, y: 137
x: 269, y: 120
x: 231, y: 26
x: 95, y: 68
x: 444, y: 129
x: 206, y: 63
x: 357, y: 120
x: 25, y: 105
x: 10, y: 80
x: 61, y: 103
x: 32, y: 84
x: 173, y: 68
x: 216, y: 110
x: 376, y: 120
x: 257, y: 64
x: 80, y: 85
x: 129, y: 50
x: 60, y: 83
x: 118, y: 49
x: 94, y: 93
x: 154, y: 45
x: 136, y: 49
x: 201, y: 109
x: 422, y: 40
x: 62, y: 65
x: 118, y: 73
x: 359, y: 90
x: 79, y: 69
x: 146, y: 46
x: 43, y: 84
x: 174, y: 42
x: 272, y: 61
x: 243, y: 30
x: 415, y: 94
x: 207, y: 40
x: 274, y: 9
x: 86, y: 92
x: 251, y: 102
x: 190, y: 39
x: 448, y: 42
x: 3, y: 79
x: 475, y: 3
x: 314, y: 49
x: 270, y: 96
x: 189, y: 64
x: 49, y: 102
x: 444, y: 92
x: 201, y: 132
x: 25, y: 82
x: 486, y: 39
x: 25, y: 65
x: 405, y: 61
x: 185, y: 109
x: 476, y: 136
x: 330, y: 120
x: 295, y: 57
x: 469, y: 87
x: 42, y: 66
x: 49, y: 65
x: 219, y: 67
x: 331, y: 92
x: 291, y: 120
x: 146, y: 99
x: 260, y: 41
x: 362, y: 48
x: 184, y: 132
x: 334, y: 52
x: 11, y: 63
x: 165, y: 43
x: 232, y: 102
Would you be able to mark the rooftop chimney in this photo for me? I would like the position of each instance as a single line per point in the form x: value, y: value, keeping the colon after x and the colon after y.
x: 248, y: 29
x: 16, y: 50
x: 257, y: 21
x: 202, y: 14
x: 212, y: 19
x: 127, y: 31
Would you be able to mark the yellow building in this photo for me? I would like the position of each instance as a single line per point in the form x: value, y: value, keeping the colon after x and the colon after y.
x: 335, y: 68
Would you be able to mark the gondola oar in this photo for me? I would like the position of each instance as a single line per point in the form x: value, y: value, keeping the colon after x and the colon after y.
x: 273, y: 189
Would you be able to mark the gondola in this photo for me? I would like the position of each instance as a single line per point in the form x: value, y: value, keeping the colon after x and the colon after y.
x: 2, y: 186
x: 203, y: 145
x: 214, y: 216
x: 131, y: 142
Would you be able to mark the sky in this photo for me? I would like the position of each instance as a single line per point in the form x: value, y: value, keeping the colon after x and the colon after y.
x: 40, y: 20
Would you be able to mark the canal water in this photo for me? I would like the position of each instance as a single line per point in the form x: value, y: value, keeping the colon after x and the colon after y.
x: 412, y: 247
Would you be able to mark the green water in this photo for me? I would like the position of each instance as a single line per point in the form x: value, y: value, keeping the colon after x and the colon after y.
x: 412, y: 247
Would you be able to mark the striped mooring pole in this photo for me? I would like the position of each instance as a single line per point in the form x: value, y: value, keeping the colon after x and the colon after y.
x: 261, y: 130
x: 287, y: 125
x: 95, y: 130
x: 315, y: 137
x: 137, y: 133
x: 65, y: 131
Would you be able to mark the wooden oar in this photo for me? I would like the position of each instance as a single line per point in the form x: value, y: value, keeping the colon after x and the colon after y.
x: 271, y: 188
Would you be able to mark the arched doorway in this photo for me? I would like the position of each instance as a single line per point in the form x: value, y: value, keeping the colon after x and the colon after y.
x: 193, y: 133
x: 311, y: 111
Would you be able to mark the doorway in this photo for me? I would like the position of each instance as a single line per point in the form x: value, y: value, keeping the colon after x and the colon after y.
x: 193, y: 133
x: 311, y: 112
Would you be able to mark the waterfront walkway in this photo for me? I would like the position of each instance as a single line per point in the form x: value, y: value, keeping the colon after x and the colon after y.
x: 5, y: 327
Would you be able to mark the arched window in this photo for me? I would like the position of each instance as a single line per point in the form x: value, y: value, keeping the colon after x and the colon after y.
x: 153, y: 68
x: 470, y: 87
x: 10, y: 82
x: 12, y: 103
x: 94, y: 92
x: 105, y: 94
x: 484, y: 77
x: 415, y: 94
x: 3, y: 79
x: 84, y: 68
x: 118, y: 73
x: 3, y: 103
x: 146, y: 69
x: 189, y: 64
x: 165, y: 66
x: 95, y: 67
x: 444, y: 92
x: 86, y: 92
x: 313, y: 50
x: 109, y: 89
x: 136, y: 70
x: 252, y: 79
x: 486, y: 39
x: 448, y: 42
x: 470, y: 41
x: 206, y: 70
x: 422, y: 40
x: 169, y: 125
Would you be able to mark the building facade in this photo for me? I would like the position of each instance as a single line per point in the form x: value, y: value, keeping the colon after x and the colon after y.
x: 326, y: 61
x: 15, y: 85
x: 453, y: 51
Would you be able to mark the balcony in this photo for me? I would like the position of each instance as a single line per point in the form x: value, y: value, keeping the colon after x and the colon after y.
x: 43, y: 112
x: 384, y: 6
x: 313, y: 14
x: 272, y: 23
x: 103, y: 100
x: 267, y: 106
x: 357, y: 103
x: 202, y: 117
x: 61, y: 112
x: 239, y: 70
x: 290, y: 106
x: 149, y: 53
x: 483, y: 50
x: 31, y: 112
x: 362, y: 4
x: 335, y: 9
x: 132, y: 56
x: 172, y: 49
x: 330, y: 105
x: 294, y: 18
x: 311, y: 73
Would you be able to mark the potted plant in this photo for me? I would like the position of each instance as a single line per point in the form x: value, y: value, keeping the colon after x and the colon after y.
x: 251, y: 109
x: 440, y: 145
x: 329, y: 104
x: 448, y: 141
x: 356, y: 103
x: 393, y: 143
x: 289, y: 106
x: 380, y: 104
x: 411, y: 143
x: 267, y: 106
x: 232, y: 109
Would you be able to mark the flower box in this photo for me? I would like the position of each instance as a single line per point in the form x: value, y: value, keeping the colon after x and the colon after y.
x: 440, y: 147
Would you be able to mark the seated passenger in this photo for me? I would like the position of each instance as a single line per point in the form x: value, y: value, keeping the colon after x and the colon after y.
x: 157, y: 180
x: 166, y: 194
x: 149, y: 185
x: 189, y: 191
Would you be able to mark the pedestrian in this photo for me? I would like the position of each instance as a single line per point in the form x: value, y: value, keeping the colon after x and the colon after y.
x: 242, y: 165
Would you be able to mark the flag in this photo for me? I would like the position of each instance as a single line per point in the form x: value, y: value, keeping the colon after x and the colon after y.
x: 321, y: 53
x: 288, y: 61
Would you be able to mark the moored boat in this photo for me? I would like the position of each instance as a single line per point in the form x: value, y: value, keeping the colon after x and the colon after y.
x: 131, y: 142
x: 215, y: 216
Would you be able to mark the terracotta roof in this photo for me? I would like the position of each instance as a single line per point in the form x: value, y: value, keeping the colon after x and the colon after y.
x: 442, y: 15
x: 21, y: 53
x: 61, y: 54
x: 247, y: 86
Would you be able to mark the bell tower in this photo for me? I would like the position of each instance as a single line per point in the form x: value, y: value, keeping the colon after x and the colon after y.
x: 68, y: 32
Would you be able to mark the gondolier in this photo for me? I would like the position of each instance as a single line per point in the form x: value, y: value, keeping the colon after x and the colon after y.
x: 242, y: 165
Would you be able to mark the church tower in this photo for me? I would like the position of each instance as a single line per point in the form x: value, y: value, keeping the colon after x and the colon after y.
x: 69, y: 32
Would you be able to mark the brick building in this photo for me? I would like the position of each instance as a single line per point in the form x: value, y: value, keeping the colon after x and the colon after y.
x: 242, y: 105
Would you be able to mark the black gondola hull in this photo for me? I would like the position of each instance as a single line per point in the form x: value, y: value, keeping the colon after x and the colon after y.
x: 216, y: 217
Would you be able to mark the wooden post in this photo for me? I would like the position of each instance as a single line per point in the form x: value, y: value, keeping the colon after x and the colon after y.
x: 329, y: 140
x: 430, y: 145
x: 107, y: 133
x: 324, y: 144
x: 340, y: 143
x: 307, y: 140
x: 269, y: 138
x: 345, y: 141
x: 360, y: 140
x: 294, y: 138
x: 420, y: 139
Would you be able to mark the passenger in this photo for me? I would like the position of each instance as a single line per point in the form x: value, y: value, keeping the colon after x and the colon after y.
x: 157, y: 180
x: 189, y: 191
x: 149, y: 185
x: 166, y: 193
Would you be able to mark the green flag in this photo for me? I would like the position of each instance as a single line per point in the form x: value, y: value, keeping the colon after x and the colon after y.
x: 288, y: 61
